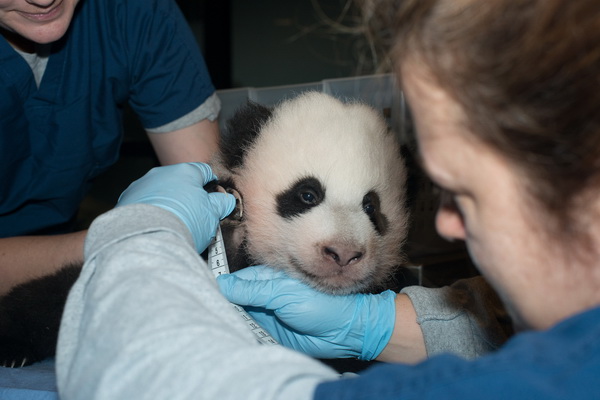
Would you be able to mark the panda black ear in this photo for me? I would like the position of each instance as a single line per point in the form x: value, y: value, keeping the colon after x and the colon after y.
x: 228, y: 186
x: 211, y: 186
x: 242, y: 130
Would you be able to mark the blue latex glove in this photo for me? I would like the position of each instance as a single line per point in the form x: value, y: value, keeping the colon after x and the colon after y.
x: 179, y: 188
x: 315, y: 323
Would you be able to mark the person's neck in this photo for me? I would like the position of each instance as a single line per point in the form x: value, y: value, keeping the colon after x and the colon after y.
x: 17, y: 41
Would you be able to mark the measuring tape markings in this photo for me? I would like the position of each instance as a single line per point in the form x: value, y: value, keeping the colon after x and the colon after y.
x: 217, y: 260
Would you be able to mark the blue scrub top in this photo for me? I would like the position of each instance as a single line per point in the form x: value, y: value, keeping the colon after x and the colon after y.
x: 54, y: 140
x: 560, y: 363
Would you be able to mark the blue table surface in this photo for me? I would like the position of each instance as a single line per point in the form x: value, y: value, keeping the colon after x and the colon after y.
x: 35, y: 382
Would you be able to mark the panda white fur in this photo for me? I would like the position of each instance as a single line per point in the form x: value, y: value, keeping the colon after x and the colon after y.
x: 323, y: 189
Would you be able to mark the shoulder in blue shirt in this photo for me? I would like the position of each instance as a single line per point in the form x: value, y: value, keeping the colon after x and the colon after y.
x: 561, y: 363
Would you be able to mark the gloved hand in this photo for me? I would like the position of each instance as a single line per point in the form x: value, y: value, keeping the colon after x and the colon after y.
x: 179, y: 188
x: 315, y: 323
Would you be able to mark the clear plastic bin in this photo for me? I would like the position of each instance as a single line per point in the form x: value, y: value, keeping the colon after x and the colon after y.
x: 379, y: 91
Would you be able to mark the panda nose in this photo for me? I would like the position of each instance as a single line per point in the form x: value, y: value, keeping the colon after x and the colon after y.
x: 342, y: 255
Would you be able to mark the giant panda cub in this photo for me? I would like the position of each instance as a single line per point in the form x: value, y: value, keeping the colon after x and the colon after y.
x: 321, y: 189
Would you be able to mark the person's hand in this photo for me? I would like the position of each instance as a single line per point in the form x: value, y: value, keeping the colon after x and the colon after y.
x: 315, y: 323
x: 179, y: 188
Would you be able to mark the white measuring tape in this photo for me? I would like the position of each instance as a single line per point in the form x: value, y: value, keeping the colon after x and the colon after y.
x: 217, y: 260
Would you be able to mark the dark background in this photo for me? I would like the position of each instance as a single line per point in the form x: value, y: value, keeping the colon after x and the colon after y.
x: 276, y: 42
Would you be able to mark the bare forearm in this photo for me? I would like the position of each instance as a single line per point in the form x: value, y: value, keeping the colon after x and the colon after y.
x: 26, y: 257
x: 406, y: 344
x: 196, y: 143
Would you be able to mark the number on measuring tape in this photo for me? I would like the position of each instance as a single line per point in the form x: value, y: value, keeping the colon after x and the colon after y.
x: 217, y: 259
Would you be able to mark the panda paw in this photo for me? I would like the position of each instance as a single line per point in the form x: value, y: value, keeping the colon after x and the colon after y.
x: 15, y: 357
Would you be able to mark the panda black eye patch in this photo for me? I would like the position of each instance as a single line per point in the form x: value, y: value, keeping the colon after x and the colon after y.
x: 372, y: 207
x: 303, y: 195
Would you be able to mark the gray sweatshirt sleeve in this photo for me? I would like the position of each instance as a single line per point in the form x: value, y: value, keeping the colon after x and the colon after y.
x: 467, y: 318
x: 146, y: 320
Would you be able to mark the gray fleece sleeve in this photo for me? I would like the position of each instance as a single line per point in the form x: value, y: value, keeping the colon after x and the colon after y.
x: 467, y: 318
x: 146, y: 320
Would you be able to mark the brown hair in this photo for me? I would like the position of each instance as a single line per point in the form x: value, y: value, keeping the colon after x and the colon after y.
x: 527, y: 73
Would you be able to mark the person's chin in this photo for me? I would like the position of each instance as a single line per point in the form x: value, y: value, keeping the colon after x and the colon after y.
x: 38, y: 33
x: 46, y: 28
x: 49, y: 34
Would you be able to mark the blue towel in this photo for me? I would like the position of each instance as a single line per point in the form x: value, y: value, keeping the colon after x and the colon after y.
x: 35, y: 382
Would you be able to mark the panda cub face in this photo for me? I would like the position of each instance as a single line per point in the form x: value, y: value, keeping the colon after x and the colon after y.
x: 322, y: 184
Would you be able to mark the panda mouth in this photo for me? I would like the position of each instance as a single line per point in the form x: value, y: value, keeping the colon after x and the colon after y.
x: 340, y: 281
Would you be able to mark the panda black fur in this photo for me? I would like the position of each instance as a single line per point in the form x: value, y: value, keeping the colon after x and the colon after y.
x: 323, y: 189
x: 322, y: 184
